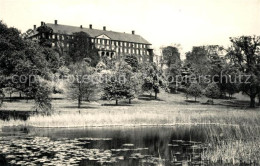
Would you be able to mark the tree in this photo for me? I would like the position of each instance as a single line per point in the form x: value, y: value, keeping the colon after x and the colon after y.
x: 229, y: 80
x: 81, y: 86
x: 174, y: 71
x: 194, y: 90
x: 45, y: 34
x: 205, y: 59
x: 171, y: 55
x: 245, y: 53
x: 123, y: 83
x: 82, y: 47
x: 23, y: 65
x: 153, y: 79
x: 132, y: 61
x: 212, y: 91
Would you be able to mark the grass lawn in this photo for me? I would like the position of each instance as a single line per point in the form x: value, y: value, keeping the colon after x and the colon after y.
x: 168, y: 109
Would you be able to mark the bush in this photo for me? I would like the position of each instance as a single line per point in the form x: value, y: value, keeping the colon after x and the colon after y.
x: 194, y: 90
x: 212, y: 91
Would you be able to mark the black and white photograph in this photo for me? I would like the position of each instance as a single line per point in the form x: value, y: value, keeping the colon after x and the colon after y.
x: 129, y: 83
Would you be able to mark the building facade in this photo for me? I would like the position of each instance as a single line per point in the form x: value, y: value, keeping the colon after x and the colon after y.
x: 114, y: 45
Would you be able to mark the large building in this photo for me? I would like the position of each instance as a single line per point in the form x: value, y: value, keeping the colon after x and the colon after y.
x: 112, y: 44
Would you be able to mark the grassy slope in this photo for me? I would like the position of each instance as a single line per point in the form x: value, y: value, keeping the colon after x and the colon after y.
x: 169, y: 109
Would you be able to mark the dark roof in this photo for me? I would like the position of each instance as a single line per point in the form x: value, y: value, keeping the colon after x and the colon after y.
x: 66, y: 29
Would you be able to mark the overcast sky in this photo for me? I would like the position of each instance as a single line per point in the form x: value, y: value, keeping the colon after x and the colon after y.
x: 161, y: 22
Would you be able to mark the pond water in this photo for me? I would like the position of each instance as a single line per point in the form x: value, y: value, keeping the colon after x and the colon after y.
x: 175, y: 145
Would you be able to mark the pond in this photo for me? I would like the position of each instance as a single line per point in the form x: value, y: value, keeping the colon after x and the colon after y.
x: 173, y: 145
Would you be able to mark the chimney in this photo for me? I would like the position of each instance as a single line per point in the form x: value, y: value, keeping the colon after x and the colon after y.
x: 133, y: 32
x: 42, y: 23
x: 34, y: 27
x: 56, y: 22
x: 90, y: 26
x: 104, y: 28
x: 81, y: 26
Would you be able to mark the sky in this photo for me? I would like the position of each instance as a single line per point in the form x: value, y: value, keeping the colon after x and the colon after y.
x: 161, y: 22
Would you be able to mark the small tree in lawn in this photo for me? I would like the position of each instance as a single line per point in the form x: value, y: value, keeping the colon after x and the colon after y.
x: 194, y: 90
x: 212, y: 91
x: 134, y: 84
x: 152, y: 79
x: 123, y: 83
x: 81, y: 87
x: 114, y: 89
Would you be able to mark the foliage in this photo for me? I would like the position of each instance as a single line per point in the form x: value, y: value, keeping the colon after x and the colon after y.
x: 23, y: 64
x: 212, y: 90
x: 41, y: 96
x: 175, y: 80
x: 229, y: 82
x: 81, y: 86
x: 132, y: 61
x: 194, y: 90
x: 122, y: 83
x: 201, y: 59
x: 171, y: 55
x: 82, y: 47
x: 153, y: 79
x: 45, y: 32
x: 245, y: 54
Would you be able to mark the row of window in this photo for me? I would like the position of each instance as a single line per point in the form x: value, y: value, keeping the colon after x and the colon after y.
x: 111, y: 55
x: 118, y: 43
x: 102, y: 41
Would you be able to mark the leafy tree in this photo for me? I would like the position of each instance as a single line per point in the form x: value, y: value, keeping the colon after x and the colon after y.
x: 153, y: 79
x: 212, y: 91
x: 198, y: 60
x: 132, y: 61
x: 23, y: 59
x: 245, y: 53
x: 175, y: 80
x: 229, y: 80
x: 171, y: 55
x: 82, y: 47
x: 205, y: 59
x: 45, y: 32
x: 81, y: 87
x: 194, y: 90
x: 123, y: 83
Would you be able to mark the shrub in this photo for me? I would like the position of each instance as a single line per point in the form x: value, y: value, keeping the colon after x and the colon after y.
x: 212, y: 91
x: 194, y: 90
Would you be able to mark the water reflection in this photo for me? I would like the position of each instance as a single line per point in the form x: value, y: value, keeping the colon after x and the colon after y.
x: 178, y: 145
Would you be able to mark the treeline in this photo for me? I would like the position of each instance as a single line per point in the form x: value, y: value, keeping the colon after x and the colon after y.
x: 216, y: 71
